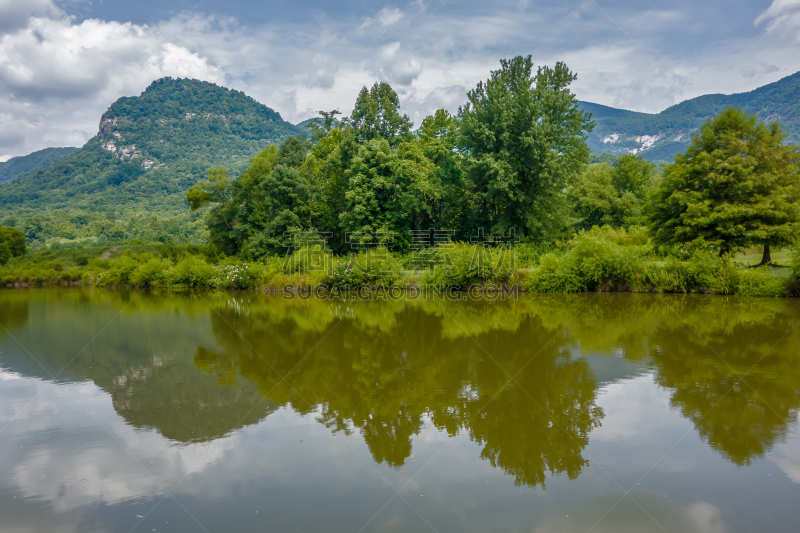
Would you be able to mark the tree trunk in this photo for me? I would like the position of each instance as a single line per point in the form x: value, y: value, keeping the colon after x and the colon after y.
x: 766, y: 258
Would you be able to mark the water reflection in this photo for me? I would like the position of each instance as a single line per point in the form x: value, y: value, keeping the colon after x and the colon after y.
x: 514, y: 376
x: 732, y: 367
x: 144, y: 358
x: 382, y: 377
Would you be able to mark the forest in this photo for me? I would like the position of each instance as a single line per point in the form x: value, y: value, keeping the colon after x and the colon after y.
x: 504, y: 192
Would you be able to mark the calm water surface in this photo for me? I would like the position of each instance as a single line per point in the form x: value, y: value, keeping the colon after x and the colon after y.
x: 125, y: 411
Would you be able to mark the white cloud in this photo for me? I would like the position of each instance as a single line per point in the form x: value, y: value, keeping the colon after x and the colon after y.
x: 15, y: 14
x: 389, y: 16
x: 56, y: 71
x: 779, y: 12
x: 57, y: 76
x: 706, y: 517
x: 786, y: 455
x: 396, y: 67
x: 324, y: 74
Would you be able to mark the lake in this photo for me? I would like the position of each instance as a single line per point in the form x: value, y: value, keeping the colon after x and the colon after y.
x: 237, y: 412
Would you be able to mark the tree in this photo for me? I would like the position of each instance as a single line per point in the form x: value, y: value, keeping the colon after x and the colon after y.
x: 390, y: 191
x: 438, y: 135
x: 736, y: 185
x: 526, y: 139
x: 325, y: 173
x: 286, y: 193
x: 375, y: 199
x: 214, y: 189
x: 377, y: 115
x: 319, y: 128
x: 612, y: 195
x: 12, y: 244
x: 597, y: 202
x: 635, y: 174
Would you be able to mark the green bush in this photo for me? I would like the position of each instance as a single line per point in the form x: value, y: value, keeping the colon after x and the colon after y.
x: 235, y: 275
x: 150, y: 273
x: 707, y: 272
x: 190, y: 271
x: 758, y: 282
x: 595, y: 262
x: 378, y: 268
x: 461, y: 265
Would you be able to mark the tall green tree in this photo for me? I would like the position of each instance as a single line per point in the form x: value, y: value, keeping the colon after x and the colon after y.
x: 736, y: 185
x: 287, y: 195
x: 376, y: 114
x: 251, y: 214
x: 220, y: 219
x: 635, y: 174
x: 320, y: 127
x: 438, y: 135
x: 325, y: 172
x: 526, y: 139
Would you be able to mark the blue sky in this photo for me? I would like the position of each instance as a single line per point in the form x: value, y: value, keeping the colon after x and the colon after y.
x: 63, y: 62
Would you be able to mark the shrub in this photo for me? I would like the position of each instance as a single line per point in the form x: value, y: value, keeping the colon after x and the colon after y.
x: 707, y: 272
x: 595, y: 262
x: 554, y: 274
x: 190, y: 271
x: 758, y: 282
x: 236, y: 275
x: 462, y: 265
x: 378, y: 268
x: 150, y: 273
x: 119, y: 271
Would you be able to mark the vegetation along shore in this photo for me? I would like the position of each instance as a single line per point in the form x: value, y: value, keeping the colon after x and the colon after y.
x: 505, y: 193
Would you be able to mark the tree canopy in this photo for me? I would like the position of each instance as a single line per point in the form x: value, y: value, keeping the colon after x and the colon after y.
x: 735, y: 186
x: 525, y: 140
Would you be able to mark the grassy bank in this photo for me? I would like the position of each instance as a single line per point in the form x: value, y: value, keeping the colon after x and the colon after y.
x: 601, y: 259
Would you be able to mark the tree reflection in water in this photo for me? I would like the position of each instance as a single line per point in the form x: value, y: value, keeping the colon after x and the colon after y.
x: 513, y: 375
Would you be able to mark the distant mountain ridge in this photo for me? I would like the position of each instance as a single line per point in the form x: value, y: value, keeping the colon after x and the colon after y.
x: 662, y: 135
x: 25, y: 164
x: 148, y: 151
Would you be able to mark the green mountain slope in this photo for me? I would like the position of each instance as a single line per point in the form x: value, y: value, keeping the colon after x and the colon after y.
x: 19, y: 166
x: 130, y: 180
x: 660, y: 136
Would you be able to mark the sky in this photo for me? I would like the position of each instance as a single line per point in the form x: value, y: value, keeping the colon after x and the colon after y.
x: 64, y: 62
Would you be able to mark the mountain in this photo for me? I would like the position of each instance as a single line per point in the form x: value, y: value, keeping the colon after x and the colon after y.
x: 130, y: 179
x: 19, y: 166
x: 662, y: 135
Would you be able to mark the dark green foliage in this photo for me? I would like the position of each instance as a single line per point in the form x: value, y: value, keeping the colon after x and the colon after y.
x: 179, y: 128
x: 603, y: 157
x: 22, y: 165
x: 525, y: 137
x: 735, y: 186
x: 14, y: 240
x: 287, y: 194
x: 12, y: 244
x: 377, y: 195
x: 252, y: 214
